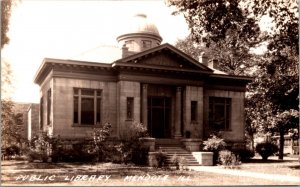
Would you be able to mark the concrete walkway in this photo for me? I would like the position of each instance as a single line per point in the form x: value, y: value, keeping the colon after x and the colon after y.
x: 241, y: 173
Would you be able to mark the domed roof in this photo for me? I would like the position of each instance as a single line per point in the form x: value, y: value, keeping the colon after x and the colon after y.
x: 140, y: 24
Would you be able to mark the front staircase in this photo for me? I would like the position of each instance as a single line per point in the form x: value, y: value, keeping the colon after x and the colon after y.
x: 171, y: 147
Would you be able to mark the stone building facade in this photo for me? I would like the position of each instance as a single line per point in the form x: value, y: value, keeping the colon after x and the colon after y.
x: 33, y: 127
x: 169, y: 92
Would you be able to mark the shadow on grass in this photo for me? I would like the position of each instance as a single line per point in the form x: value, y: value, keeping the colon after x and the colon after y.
x: 42, y: 165
x: 11, y: 163
x: 260, y: 161
x: 295, y: 167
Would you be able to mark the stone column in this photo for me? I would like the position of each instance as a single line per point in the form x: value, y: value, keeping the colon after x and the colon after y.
x: 178, y: 113
x: 145, y: 105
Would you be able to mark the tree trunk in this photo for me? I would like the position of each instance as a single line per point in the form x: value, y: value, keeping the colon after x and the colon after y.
x: 281, y: 143
x: 252, y: 143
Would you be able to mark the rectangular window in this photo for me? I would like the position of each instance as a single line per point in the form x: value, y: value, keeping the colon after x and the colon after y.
x: 130, y: 108
x: 129, y: 44
x: 147, y: 44
x: 41, y: 114
x: 49, y: 107
x: 193, y: 110
x: 87, y: 106
x: 219, y: 113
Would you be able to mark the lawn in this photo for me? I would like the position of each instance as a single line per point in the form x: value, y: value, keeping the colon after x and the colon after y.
x: 23, y: 173
x: 273, y: 166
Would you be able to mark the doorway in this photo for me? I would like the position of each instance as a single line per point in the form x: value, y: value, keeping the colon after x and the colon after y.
x: 159, y: 117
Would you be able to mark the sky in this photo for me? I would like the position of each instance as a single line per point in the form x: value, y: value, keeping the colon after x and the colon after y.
x: 66, y: 28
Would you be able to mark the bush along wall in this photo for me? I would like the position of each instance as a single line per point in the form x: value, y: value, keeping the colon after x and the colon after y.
x: 228, y: 159
x: 97, y: 148
x: 214, y: 144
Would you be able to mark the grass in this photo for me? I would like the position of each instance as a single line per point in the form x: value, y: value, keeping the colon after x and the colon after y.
x: 12, y: 169
x: 273, y: 166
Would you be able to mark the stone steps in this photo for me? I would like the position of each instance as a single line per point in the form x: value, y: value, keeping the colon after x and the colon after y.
x: 175, y: 148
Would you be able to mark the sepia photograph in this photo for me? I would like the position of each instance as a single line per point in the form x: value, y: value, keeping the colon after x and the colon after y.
x: 149, y: 92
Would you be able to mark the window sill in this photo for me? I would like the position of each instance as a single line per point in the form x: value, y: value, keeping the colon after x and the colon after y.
x: 218, y: 130
x: 81, y: 125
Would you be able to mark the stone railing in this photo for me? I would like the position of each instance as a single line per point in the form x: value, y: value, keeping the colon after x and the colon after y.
x: 148, y: 142
x: 192, y: 144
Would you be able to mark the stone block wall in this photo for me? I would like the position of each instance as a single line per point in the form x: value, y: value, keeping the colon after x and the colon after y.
x: 237, y: 128
x: 47, y: 84
x: 33, y: 121
x: 63, y: 107
x: 128, y: 89
x: 193, y: 93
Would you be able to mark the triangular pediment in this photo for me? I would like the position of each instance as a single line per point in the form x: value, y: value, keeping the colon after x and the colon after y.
x: 165, y: 56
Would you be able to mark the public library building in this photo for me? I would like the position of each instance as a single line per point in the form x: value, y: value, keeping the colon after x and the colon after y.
x: 169, y: 92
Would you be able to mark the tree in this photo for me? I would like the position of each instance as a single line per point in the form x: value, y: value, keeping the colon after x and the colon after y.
x: 212, y: 19
x: 280, y: 73
x: 6, y: 6
x: 234, y: 59
x: 10, y: 121
x: 275, y: 90
x: 225, y: 29
x: 231, y: 48
x: 10, y: 124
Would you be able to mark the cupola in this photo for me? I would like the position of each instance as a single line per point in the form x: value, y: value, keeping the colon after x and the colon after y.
x: 140, y: 34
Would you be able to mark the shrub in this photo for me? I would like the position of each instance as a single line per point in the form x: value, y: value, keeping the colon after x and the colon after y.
x: 266, y: 149
x: 244, y: 154
x: 100, y: 136
x: 80, y: 152
x: 158, y: 159
x: 228, y: 159
x: 124, y: 150
x: 37, y: 155
x: 214, y: 144
x: 130, y: 151
x: 12, y: 150
x: 161, y: 159
x: 140, y: 156
x: 178, y: 161
x: 130, y: 147
x: 134, y: 131
x: 39, y: 148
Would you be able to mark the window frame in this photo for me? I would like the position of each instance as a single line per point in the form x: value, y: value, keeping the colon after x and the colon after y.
x: 194, y: 111
x: 49, y: 105
x: 129, y: 108
x: 146, y: 44
x: 97, y: 105
x: 129, y: 44
x: 227, y: 108
x: 41, y: 113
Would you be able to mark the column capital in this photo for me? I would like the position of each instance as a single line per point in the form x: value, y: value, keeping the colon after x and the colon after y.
x: 145, y: 86
x: 178, y: 88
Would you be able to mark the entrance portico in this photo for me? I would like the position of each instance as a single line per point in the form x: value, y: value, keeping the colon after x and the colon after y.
x: 162, y: 110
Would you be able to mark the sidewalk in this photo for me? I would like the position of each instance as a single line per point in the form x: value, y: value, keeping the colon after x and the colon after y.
x: 236, y: 172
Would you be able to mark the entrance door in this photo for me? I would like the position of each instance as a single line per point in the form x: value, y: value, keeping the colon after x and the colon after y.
x: 159, y: 117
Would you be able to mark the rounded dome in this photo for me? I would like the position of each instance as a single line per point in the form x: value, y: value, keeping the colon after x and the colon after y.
x: 140, y: 24
x: 139, y: 34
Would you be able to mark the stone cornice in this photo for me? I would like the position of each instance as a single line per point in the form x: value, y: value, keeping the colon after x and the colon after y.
x: 140, y: 34
x: 230, y: 78
x: 155, y: 68
x: 49, y: 64
x: 135, y: 71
